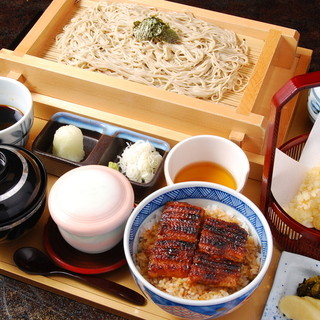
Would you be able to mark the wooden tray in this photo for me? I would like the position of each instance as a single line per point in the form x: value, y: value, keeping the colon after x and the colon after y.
x: 274, y: 54
x: 85, y: 294
x: 252, y: 309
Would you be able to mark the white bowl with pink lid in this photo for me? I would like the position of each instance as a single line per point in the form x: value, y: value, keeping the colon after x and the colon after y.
x: 91, y: 205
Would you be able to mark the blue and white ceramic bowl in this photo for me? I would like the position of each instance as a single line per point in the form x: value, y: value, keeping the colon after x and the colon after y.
x: 202, y: 194
x: 15, y: 94
x: 314, y: 103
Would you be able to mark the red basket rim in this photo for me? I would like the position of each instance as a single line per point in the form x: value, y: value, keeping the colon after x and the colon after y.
x: 294, y: 141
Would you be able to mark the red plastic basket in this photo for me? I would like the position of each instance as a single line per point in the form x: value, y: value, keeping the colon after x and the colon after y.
x: 288, y: 233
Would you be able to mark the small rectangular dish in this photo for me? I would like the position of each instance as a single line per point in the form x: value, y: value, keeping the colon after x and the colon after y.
x: 102, y: 142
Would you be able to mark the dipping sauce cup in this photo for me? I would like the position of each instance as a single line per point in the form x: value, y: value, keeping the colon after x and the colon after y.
x: 213, y: 158
x: 16, y: 98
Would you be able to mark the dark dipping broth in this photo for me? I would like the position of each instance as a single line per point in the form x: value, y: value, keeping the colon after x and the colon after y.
x: 9, y: 116
x: 206, y: 171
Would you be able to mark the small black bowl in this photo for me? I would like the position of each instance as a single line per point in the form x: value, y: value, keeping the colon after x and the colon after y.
x: 23, y: 182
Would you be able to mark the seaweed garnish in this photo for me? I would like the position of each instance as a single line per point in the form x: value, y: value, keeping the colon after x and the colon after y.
x: 154, y: 29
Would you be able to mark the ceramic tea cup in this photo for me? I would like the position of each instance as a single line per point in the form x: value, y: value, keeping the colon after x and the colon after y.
x: 314, y: 103
x: 207, y: 158
x: 16, y: 112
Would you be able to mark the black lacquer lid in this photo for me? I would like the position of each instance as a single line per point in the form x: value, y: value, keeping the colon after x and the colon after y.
x: 23, y: 181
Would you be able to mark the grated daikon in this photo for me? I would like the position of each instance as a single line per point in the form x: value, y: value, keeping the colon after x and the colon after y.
x: 68, y: 143
x: 140, y: 161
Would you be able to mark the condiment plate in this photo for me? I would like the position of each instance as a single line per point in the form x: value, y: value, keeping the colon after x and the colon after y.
x: 73, y: 260
x: 102, y: 142
x: 292, y: 269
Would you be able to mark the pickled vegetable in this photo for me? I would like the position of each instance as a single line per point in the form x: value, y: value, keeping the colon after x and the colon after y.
x: 300, y: 308
x: 309, y: 287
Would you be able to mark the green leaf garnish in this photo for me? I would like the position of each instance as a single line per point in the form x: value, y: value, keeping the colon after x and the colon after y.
x: 113, y: 165
x: 154, y: 28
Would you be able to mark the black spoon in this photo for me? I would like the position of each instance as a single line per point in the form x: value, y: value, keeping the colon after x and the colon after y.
x: 33, y: 261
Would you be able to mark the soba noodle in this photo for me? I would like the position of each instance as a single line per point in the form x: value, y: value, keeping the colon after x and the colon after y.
x: 204, y: 64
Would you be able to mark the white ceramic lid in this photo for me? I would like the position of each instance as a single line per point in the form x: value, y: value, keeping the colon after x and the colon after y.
x: 91, y: 200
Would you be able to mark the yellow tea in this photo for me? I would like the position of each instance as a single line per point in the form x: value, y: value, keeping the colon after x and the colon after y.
x: 206, y: 171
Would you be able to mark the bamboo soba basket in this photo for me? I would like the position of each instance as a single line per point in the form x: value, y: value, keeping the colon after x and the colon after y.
x: 242, y: 117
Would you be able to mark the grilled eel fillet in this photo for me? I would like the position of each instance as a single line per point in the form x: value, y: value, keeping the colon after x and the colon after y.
x: 223, y: 240
x: 207, y: 250
x: 177, y: 240
x: 217, y: 273
x: 220, y: 253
